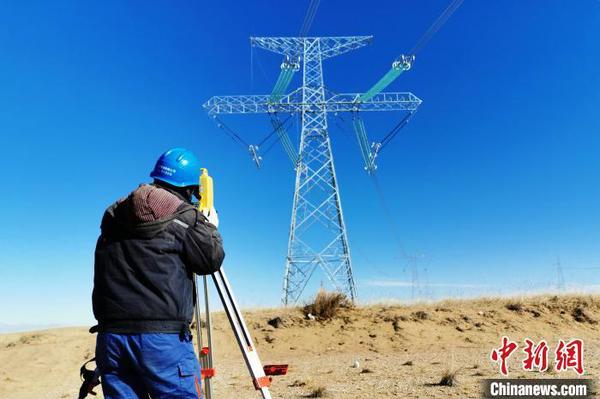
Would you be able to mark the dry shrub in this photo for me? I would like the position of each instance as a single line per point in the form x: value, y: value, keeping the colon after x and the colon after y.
x: 327, y: 305
x: 269, y: 339
x: 275, y: 322
x: 318, y: 392
x: 420, y: 315
x: 448, y: 378
x: 581, y: 316
x: 193, y: 325
x: 514, y: 306
x: 28, y: 339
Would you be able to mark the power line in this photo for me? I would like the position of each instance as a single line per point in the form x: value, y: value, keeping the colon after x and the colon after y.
x: 230, y: 132
x: 280, y: 125
x: 391, y: 220
x: 435, y: 26
x: 309, y: 17
x: 392, y: 133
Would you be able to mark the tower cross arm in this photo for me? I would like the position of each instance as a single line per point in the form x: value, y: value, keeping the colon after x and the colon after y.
x: 385, y: 101
x: 293, y: 47
x: 292, y: 103
x: 253, y: 104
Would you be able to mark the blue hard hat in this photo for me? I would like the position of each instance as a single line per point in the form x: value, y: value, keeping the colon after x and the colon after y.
x: 178, y: 167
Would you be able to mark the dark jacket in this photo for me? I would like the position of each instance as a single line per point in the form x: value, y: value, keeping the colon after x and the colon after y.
x: 150, y: 245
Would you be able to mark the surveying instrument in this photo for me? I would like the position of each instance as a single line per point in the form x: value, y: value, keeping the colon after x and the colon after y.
x: 261, y: 376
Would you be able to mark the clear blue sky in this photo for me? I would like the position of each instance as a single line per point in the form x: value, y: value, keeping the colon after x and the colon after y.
x: 495, y: 176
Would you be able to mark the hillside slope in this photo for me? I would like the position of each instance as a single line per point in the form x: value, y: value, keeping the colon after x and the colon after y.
x: 402, y: 351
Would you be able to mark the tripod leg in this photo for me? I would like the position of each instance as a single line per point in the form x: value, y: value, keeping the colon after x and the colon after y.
x: 201, y: 358
x: 242, y: 335
x: 209, y: 356
x: 198, y: 319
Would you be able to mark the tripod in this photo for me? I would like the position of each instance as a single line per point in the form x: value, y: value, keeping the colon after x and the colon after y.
x: 260, y: 375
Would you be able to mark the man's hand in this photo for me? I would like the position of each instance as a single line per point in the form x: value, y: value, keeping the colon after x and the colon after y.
x: 212, y: 216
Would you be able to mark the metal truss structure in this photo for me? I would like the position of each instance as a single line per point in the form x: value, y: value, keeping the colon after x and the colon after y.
x: 293, y: 103
x: 317, y: 237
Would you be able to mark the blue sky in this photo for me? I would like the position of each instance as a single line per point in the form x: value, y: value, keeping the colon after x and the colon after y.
x: 493, y: 179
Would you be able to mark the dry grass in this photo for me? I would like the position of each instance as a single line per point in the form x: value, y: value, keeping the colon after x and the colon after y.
x: 327, y: 305
x: 448, y: 378
x: 317, y: 392
x: 297, y: 383
x: 275, y: 322
x: 580, y: 315
x: 420, y: 315
x: 514, y: 306
x: 193, y: 325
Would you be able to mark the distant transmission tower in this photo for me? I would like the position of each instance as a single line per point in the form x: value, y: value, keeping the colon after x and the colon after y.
x: 415, y: 284
x: 317, y: 237
x: 560, y: 278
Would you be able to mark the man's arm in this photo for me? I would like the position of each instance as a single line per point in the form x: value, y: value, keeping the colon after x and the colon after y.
x: 202, y: 247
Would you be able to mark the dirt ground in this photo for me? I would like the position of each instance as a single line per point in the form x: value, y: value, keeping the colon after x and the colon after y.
x: 402, y: 351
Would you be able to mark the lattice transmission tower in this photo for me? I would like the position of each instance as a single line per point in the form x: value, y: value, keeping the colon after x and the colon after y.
x: 317, y: 235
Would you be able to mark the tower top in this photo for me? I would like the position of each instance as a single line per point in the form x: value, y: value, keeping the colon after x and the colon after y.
x: 293, y: 47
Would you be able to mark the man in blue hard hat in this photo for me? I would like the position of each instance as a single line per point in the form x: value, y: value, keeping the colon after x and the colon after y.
x: 151, y: 244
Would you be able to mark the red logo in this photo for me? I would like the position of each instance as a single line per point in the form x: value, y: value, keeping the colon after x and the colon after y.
x: 502, y: 354
x: 537, y: 356
x: 567, y: 355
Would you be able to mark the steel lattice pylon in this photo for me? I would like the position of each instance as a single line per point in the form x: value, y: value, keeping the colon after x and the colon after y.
x: 318, y: 237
